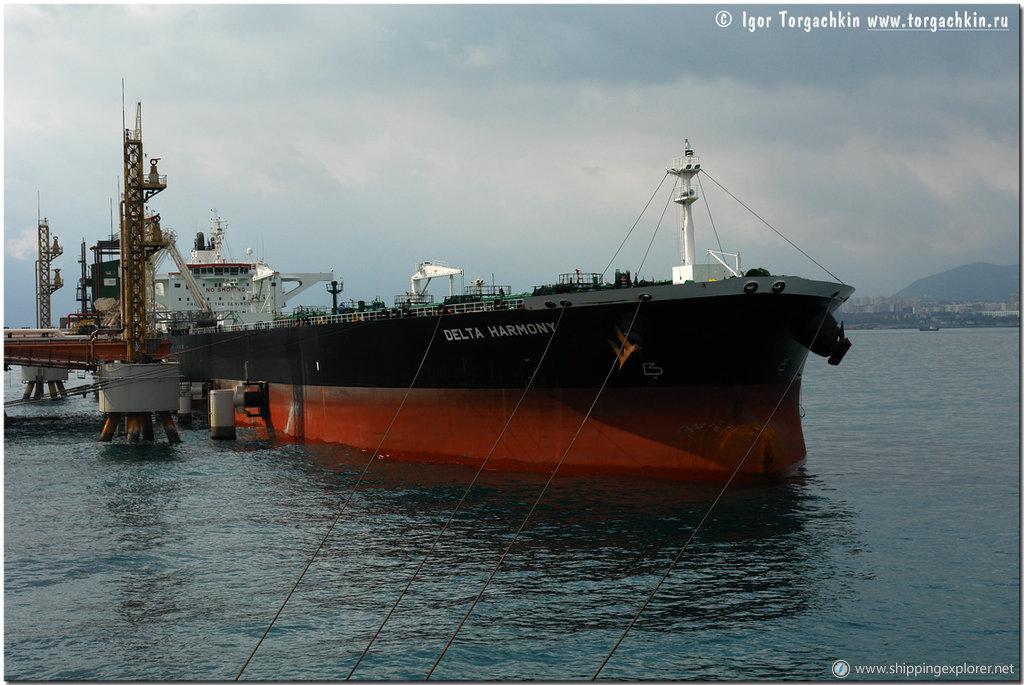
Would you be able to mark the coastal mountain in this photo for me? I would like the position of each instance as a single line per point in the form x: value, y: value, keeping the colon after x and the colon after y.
x: 978, y: 282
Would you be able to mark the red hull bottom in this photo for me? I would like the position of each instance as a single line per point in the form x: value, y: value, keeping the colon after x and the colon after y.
x: 682, y: 434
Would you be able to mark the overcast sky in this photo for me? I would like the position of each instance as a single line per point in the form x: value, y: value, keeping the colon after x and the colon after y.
x: 516, y: 141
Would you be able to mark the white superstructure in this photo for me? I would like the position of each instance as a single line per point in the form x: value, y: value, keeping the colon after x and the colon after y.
x: 237, y: 291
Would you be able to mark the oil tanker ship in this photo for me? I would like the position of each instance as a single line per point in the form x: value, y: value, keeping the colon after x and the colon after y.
x: 688, y: 378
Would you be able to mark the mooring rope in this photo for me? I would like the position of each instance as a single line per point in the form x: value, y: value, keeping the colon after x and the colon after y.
x: 46, y: 397
x: 101, y: 383
x: 777, y: 232
x: 543, y: 490
x: 465, y: 494
x: 633, y: 227
x: 115, y: 382
x: 98, y: 384
x: 708, y: 511
x: 711, y: 219
x: 351, y: 493
x: 227, y: 339
x: 654, y: 235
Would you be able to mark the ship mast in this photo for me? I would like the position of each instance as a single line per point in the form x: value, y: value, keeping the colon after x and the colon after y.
x: 685, y: 168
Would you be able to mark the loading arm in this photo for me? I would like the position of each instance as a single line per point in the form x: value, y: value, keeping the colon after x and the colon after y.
x: 193, y: 288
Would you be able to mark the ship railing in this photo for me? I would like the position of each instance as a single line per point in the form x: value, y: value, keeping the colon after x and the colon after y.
x: 686, y: 162
x: 413, y: 299
x: 487, y: 289
x: 373, y: 315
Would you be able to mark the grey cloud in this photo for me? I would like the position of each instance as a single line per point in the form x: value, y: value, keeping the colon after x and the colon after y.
x: 478, y: 132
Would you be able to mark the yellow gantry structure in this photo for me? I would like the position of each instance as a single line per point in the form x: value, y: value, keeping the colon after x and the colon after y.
x: 140, y: 238
x: 44, y: 285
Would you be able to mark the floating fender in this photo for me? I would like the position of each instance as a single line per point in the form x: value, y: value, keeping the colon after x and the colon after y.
x: 185, y: 408
x: 222, y: 414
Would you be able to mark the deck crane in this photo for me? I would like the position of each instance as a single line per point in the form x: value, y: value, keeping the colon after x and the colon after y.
x: 425, y: 271
x: 190, y: 282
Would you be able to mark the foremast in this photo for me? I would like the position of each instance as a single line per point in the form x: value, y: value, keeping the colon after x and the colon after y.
x: 684, y: 195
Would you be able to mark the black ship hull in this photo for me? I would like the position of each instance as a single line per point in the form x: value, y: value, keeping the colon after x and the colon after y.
x: 689, y: 380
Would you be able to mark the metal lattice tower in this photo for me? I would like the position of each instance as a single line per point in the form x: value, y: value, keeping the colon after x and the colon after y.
x: 44, y: 285
x: 140, y: 238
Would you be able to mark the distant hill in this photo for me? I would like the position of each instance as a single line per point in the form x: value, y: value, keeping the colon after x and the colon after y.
x: 978, y: 282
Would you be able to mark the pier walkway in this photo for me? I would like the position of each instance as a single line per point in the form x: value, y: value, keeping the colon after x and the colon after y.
x: 53, y: 349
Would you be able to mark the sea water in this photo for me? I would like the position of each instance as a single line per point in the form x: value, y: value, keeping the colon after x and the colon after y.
x: 897, y: 547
